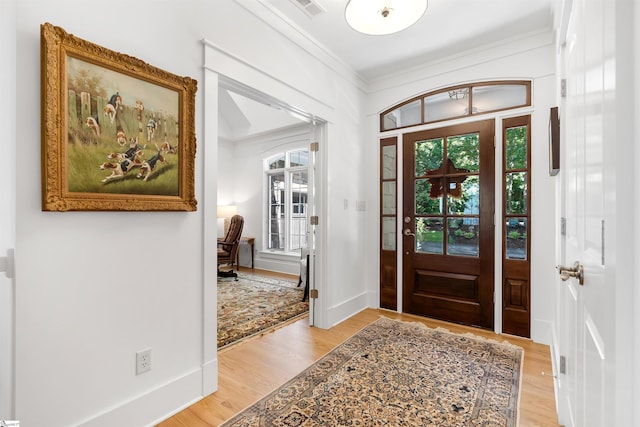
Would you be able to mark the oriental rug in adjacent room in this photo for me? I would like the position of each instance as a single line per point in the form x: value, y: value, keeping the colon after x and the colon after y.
x: 254, y: 304
x: 395, y: 373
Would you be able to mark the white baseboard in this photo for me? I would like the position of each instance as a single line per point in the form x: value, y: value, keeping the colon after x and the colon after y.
x: 210, y: 377
x: 278, y: 266
x: 373, y: 299
x: 343, y: 311
x: 542, y: 331
x: 154, y: 406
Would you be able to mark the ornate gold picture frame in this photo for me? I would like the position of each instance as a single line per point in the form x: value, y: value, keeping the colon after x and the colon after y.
x: 117, y: 133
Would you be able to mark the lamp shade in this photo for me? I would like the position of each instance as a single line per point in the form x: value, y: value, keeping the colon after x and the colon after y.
x: 379, y: 17
x: 227, y: 211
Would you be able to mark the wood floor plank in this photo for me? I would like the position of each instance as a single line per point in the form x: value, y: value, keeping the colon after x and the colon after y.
x: 250, y: 370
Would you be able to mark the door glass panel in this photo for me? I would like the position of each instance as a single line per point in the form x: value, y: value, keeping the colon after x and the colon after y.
x: 446, y: 105
x: 429, y: 237
x: 407, y: 115
x: 464, y: 151
x: 389, y: 162
x: 463, y: 195
x: 516, y: 236
x: 298, y: 213
x: 462, y: 236
x: 516, y: 193
x: 428, y: 201
x: 498, y: 97
x: 389, y: 198
x: 276, y: 211
x: 388, y: 234
x: 516, y: 148
x: 428, y: 156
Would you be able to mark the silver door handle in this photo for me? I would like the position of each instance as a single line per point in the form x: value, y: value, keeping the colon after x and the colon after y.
x: 576, y: 270
x: 408, y: 232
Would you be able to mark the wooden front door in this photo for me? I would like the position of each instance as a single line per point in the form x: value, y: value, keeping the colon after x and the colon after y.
x: 448, y: 223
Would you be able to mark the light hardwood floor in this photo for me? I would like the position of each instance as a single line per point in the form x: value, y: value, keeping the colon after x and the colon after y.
x: 250, y: 370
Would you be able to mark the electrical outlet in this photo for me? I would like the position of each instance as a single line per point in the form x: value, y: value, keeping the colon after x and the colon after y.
x: 143, y: 361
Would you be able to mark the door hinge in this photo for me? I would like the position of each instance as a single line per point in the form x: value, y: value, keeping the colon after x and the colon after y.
x: 563, y: 226
x: 313, y: 293
x: 313, y: 220
x: 314, y: 146
x: 563, y: 364
x: 563, y: 88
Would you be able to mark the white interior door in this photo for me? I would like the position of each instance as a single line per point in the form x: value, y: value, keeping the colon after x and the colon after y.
x: 586, y: 317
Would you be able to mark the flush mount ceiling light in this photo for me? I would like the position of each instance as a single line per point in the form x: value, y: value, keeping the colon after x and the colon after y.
x: 379, y: 17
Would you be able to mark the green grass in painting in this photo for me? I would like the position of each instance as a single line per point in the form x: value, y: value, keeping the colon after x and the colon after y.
x: 85, y: 176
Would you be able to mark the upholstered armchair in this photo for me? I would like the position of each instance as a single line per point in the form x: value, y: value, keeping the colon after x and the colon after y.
x: 228, y: 246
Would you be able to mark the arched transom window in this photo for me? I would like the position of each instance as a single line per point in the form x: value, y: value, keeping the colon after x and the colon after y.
x: 457, y: 101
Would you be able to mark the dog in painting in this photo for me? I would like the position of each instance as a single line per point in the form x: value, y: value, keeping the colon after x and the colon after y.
x: 134, y: 153
x: 121, y: 138
x: 114, y: 105
x: 92, y: 122
x: 149, y: 166
x: 118, y: 170
x: 166, y: 148
x: 152, y: 125
x: 110, y: 112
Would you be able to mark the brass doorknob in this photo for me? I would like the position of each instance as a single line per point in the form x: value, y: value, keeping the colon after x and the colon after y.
x: 576, y: 271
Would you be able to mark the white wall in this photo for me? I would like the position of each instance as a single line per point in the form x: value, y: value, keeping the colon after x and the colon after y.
x: 226, y: 172
x: 635, y: 301
x: 95, y: 287
x: 528, y: 58
x: 7, y: 200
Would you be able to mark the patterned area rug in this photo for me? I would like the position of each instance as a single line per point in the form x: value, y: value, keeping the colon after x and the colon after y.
x: 395, y: 373
x: 254, y: 304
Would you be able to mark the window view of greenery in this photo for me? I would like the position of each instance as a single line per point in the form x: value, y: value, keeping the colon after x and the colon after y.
x: 447, y: 195
x: 516, y: 192
x: 287, y: 189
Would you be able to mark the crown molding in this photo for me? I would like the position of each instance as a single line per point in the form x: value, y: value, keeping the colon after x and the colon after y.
x: 272, y: 17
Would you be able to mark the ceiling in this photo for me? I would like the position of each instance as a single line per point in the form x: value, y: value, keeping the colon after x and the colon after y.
x: 448, y: 28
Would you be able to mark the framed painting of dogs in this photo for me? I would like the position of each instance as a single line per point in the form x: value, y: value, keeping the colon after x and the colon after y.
x: 117, y: 133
